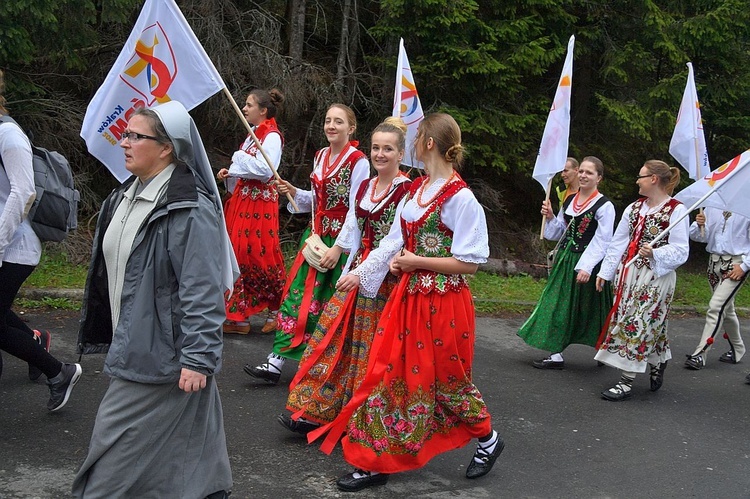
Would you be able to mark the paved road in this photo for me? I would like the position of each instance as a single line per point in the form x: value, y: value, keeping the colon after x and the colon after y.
x: 691, y: 439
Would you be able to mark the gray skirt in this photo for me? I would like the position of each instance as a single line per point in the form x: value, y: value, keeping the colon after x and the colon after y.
x: 156, y: 441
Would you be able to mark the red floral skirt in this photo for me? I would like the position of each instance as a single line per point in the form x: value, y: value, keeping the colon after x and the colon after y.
x: 252, y: 216
x: 335, y: 361
x: 417, y: 399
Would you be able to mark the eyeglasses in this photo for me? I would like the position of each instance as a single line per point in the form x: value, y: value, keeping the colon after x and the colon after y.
x: 644, y: 176
x: 135, y: 137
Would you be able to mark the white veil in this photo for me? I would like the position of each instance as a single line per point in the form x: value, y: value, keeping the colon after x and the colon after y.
x: 188, y: 148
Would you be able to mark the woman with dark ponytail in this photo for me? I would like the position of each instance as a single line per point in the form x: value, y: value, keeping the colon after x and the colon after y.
x: 252, y: 216
x: 635, y: 338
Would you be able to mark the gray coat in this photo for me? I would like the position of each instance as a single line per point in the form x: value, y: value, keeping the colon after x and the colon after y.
x: 172, y: 306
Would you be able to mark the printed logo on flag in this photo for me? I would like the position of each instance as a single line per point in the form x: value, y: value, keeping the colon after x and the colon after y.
x: 721, y: 173
x: 150, y: 73
x: 410, y: 110
x: 153, y: 67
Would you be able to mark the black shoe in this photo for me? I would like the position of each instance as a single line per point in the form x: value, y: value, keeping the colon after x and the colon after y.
x: 266, y: 371
x: 220, y: 494
x: 548, y: 363
x: 747, y: 379
x: 695, y: 363
x: 44, y: 339
x: 727, y: 357
x: 475, y: 469
x: 295, y: 425
x: 617, y: 393
x: 657, y: 378
x: 358, y: 480
x: 61, y: 385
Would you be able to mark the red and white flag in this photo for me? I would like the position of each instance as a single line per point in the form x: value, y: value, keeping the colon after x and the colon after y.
x: 726, y: 188
x: 553, y: 151
x: 688, y: 144
x: 162, y: 60
x: 406, y: 104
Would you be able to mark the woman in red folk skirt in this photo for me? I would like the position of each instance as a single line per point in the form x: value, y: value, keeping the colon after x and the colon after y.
x: 252, y: 216
x: 417, y: 399
x: 335, y: 359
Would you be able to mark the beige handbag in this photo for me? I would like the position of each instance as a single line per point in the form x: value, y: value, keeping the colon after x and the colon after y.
x: 314, y: 250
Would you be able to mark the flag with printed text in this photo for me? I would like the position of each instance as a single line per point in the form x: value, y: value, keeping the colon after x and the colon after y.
x: 162, y: 60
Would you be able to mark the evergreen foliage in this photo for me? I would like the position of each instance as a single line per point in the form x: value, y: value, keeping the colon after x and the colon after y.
x: 493, y: 64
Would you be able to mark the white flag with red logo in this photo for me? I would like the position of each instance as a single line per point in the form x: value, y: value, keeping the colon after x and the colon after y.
x: 406, y: 104
x: 553, y: 151
x: 162, y: 60
x: 726, y: 188
x: 688, y: 144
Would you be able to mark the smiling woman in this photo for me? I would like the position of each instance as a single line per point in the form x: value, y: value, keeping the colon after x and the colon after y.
x: 636, y: 333
x: 338, y: 171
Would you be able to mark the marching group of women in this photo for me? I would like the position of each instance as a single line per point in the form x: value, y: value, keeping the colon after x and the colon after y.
x: 628, y: 328
x: 376, y: 306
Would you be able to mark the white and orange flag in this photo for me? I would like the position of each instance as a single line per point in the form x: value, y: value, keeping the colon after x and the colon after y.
x: 162, y: 60
x: 553, y: 151
x: 406, y: 104
x: 688, y: 144
x: 726, y: 188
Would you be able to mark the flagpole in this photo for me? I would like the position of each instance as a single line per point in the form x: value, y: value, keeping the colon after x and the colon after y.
x: 544, y: 218
x: 257, y: 144
x: 697, y: 167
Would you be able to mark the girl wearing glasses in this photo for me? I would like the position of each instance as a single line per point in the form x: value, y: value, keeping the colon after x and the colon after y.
x: 635, y: 338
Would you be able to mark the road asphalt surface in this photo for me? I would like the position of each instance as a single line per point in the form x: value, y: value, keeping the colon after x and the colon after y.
x: 562, y: 440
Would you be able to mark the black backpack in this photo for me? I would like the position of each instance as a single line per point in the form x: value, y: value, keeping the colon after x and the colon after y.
x: 55, y: 209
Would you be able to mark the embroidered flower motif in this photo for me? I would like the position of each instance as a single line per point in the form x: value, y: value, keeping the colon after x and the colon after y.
x: 430, y: 242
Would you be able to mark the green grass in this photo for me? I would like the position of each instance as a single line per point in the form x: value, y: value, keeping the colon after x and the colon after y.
x: 493, y: 294
x: 520, y: 293
x: 54, y: 271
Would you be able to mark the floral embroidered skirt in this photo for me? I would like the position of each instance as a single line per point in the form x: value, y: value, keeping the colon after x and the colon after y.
x: 335, y: 360
x: 567, y: 312
x: 637, y: 334
x: 253, y: 228
x: 306, y: 294
x: 417, y: 399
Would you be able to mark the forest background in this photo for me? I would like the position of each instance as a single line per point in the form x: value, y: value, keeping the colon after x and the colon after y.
x: 492, y: 64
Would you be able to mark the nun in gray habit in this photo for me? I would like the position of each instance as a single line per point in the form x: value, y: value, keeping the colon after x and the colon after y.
x: 154, y: 301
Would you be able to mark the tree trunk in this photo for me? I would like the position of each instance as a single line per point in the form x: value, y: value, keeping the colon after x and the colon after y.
x: 343, y: 45
x: 297, y: 29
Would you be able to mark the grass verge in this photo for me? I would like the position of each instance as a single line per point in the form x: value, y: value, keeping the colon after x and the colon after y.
x: 493, y: 294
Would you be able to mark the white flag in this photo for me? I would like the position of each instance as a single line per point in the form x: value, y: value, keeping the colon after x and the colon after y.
x: 688, y: 145
x: 406, y: 104
x: 162, y: 60
x: 726, y: 188
x: 553, y: 151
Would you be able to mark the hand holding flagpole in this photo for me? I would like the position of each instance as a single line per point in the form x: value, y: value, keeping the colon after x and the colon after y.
x: 257, y: 144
